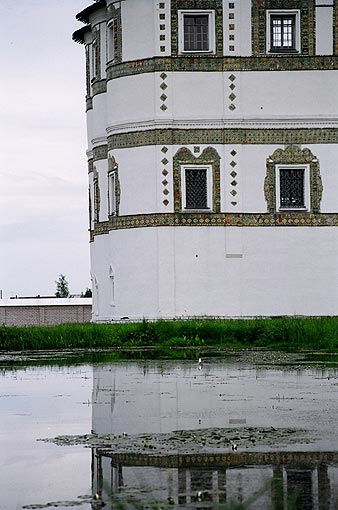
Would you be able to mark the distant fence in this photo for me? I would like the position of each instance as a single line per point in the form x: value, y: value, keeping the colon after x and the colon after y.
x: 45, y: 312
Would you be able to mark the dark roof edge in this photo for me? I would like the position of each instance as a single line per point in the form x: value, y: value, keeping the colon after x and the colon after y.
x: 84, y: 15
x: 78, y: 35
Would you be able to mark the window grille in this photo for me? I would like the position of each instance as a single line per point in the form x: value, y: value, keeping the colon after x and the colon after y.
x: 196, y: 32
x: 283, y: 32
x: 292, y: 187
x: 196, y: 190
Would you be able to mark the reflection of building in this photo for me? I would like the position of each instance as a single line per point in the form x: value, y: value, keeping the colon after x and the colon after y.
x: 276, y: 481
x: 212, y: 146
x: 154, y: 398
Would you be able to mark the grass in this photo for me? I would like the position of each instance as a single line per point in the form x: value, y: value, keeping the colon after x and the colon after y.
x: 289, y: 334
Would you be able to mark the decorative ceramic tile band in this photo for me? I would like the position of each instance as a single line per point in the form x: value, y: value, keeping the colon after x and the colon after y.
x: 100, y: 152
x: 223, y: 137
x: 295, y: 219
x: 99, y: 87
x: 258, y: 16
x: 226, y: 64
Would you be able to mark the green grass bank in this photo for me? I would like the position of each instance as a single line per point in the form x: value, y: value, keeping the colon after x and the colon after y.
x: 289, y: 334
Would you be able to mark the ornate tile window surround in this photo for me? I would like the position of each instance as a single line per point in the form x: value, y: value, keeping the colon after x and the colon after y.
x: 283, y: 31
x: 300, y: 191
x: 114, y: 190
x: 208, y: 159
x: 304, y: 12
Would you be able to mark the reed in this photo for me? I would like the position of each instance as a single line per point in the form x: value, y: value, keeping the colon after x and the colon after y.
x: 284, y: 333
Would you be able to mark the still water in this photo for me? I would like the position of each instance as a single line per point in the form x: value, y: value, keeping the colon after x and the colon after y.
x: 233, y: 432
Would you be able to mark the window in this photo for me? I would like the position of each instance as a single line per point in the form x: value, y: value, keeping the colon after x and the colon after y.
x: 112, y: 193
x: 196, y: 187
x: 292, y: 187
x: 111, y: 36
x: 283, y: 31
x: 196, y: 31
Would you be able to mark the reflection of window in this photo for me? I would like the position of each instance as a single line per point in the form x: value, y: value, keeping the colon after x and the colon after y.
x: 283, y: 31
x: 292, y: 187
x: 196, y: 31
x: 196, y: 187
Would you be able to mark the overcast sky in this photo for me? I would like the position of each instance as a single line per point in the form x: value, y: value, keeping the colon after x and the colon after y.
x: 43, y: 168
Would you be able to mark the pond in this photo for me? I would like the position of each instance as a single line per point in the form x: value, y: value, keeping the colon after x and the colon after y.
x: 240, y: 430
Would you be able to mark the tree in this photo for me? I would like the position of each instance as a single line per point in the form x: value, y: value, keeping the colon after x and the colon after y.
x: 62, y: 289
x: 87, y: 293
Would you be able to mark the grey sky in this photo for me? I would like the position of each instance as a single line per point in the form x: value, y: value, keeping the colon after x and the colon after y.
x: 43, y: 169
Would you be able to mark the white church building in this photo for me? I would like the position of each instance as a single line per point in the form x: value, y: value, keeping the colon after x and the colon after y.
x: 212, y: 157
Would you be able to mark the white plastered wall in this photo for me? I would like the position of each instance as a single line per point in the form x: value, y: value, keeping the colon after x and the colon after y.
x: 324, y: 27
x: 260, y: 96
x: 186, y: 271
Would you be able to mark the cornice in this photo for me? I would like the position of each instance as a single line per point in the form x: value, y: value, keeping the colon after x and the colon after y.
x: 226, y: 123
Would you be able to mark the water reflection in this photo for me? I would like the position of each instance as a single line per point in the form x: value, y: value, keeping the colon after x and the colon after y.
x: 159, y: 398
x: 193, y: 469
x: 283, y: 480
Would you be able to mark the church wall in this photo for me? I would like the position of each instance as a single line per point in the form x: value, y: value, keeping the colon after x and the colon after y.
x: 151, y: 109
x: 324, y: 32
x: 220, y: 272
x: 256, y: 96
x: 143, y: 191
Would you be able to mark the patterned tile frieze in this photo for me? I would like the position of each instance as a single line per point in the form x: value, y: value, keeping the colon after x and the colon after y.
x: 223, y: 136
x: 226, y: 64
x: 100, y: 152
x: 208, y: 157
x: 99, y: 87
x: 216, y: 5
x: 291, y: 155
x: 307, y: 20
x: 89, y: 103
x: 217, y: 220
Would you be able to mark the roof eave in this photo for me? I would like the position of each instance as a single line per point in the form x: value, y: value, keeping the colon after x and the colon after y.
x: 84, y: 15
